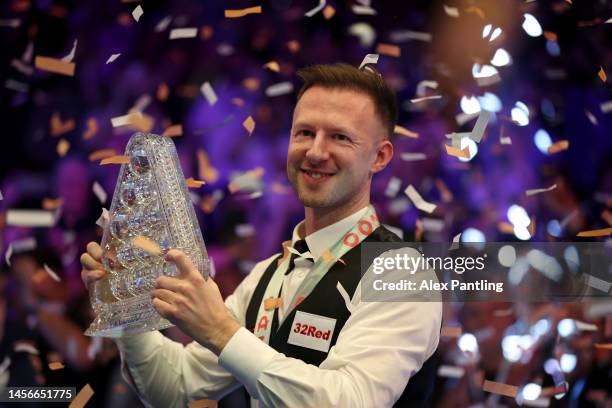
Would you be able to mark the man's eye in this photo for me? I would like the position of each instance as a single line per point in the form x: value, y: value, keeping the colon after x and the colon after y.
x: 341, y: 137
x: 304, y: 132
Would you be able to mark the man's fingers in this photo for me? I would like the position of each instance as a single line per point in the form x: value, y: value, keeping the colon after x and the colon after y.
x: 90, y: 276
x: 182, y: 261
x: 169, y: 283
x: 95, y: 250
x: 164, y: 294
x: 164, y: 309
x: 89, y: 262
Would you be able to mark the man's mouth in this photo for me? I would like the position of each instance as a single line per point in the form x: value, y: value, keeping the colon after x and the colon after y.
x: 316, y: 176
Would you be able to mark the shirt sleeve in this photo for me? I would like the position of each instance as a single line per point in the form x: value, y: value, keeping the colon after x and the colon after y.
x: 380, y: 347
x: 165, y: 373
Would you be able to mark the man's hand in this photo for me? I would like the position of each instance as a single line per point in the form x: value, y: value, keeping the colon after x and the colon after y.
x: 91, y: 261
x: 194, y: 304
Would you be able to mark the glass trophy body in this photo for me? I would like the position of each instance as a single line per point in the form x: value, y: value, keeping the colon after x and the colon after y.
x: 150, y: 200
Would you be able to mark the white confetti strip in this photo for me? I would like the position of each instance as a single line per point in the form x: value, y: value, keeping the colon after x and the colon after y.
x: 540, y: 190
x: 363, y: 10
x: 25, y: 348
x: 141, y: 103
x: 369, y: 59
x: 451, y: 11
x: 407, y: 35
x: 480, y: 126
x: 24, y: 244
x: 244, y: 230
x: 413, y: 156
x: 177, y: 33
x: 425, y: 98
x: 70, y: 57
x: 279, y: 89
x: 137, y: 13
x: 455, y: 242
x: 422, y: 86
x: 584, y: 326
x: 606, y: 107
x: 103, y: 219
x: 488, y: 81
x: 5, y: 364
x: 418, y: 201
x: 112, y: 58
x: 393, y: 187
x: 591, y: 117
x: 209, y: 93
x: 163, y: 24
x: 99, y: 192
x: 30, y: 218
x: 51, y: 273
x: 448, y: 371
x: 8, y: 254
x: 598, y: 283
x: 123, y: 120
x: 315, y: 10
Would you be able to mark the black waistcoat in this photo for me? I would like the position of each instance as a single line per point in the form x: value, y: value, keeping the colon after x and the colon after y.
x: 325, y: 300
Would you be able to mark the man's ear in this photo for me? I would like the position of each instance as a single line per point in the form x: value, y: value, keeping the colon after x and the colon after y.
x: 383, y: 155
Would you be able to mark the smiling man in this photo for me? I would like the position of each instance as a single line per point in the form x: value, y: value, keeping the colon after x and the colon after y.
x: 295, y: 332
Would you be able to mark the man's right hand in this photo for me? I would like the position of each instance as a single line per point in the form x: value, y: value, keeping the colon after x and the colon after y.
x: 93, y: 270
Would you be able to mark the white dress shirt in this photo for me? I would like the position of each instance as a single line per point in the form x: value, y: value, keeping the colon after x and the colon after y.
x: 381, y: 345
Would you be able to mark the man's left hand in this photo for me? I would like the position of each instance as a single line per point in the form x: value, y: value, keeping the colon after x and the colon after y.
x: 194, y: 304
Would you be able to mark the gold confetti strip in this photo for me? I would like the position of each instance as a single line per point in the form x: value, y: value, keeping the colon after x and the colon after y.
x: 62, y: 147
x: 92, y: 129
x: 389, y: 49
x: 293, y: 46
x: 445, y: 193
x: 52, y: 203
x: 205, y: 170
x: 476, y: 11
x: 558, y: 146
x: 505, y: 227
x: 603, y: 346
x: 604, y: 232
x: 550, y: 391
x: 550, y: 36
x: 101, y: 154
x: 58, y: 127
x: 327, y: 256
x: 162, y: 92
x: 272, y: 66
x: 242, y: 12
x: 118, y: 159
x: 272, y: 303
x: 448, y: 331
x: 328, y: 12
x: 55, y: 366
x: 405, y: 132
x: 250, y: 84
x: 532, y: 226
x: 249, y: 125
x: 607, y: 216
x: 455, y: 152
x: 173, y: 131
x: 602, y: 74
x: 147, y: 245
x: 54, y: 65
x: 82, y: 397
x: 238, y: 102
x: 203, y: 403
x: 206, y: 32
x: 193, y: 183
x: 500, y: 388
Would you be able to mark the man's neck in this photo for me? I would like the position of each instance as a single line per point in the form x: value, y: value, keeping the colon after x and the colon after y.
x: 319, y: 218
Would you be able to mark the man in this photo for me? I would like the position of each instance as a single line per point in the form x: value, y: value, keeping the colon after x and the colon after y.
x: 322, y: 346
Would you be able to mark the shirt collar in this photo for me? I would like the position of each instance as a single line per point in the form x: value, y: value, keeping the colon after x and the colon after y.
x: 324, y: 238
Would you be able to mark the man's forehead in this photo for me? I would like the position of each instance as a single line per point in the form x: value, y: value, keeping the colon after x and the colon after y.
x: 348, y: 100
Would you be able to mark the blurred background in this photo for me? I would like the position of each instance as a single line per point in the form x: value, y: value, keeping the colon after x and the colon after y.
x: 79, y: 78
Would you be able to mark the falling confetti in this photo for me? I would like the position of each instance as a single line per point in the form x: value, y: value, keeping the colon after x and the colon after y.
x: 418, y: 201
x: 82, y: 397
x: 249, y: 125
x: 272, y: 303
x: 137, y: 13
x: 118, y: 159
x: 54, y: 65
x: 242, y: 12
x: 173, y: 131
x: 500, y: 388
x: 209, y: 93
x: 178, y: 33
x: 193, y: 183
x: 113, y: 57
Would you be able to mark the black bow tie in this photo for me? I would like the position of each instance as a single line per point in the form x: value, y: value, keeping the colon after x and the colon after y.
x: 301, y: 246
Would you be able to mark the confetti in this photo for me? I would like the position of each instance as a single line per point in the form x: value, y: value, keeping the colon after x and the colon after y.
x: 449, y: 331
x: 30, y: 218
x: 162, y: 92
x: 209, y: 93
x: 598, y: 283
x: 540, y: 190
x: 141, y: 104
x: 147, y: 245
x: 602, y: 74
x: 407, y: 35
x: 369, y: 59
x: 137, y: 13
x: 364, y: 32
x: 279, y: 89
x: 455, y: 152
x: 163, y: 24
x: 238, y: 102
x: 8, y: 254
x: 280, y: 188
x: 604, y: 232
x: 550, y: 36
x: 393, y: 187
x: 58, y: 127
x: 249, y: 125
x: 272, y: 303
x: 447, y: 371
x: 205, y: 170
x: 606, y: 107
x: 327, y: 256
x: 25, y: 347
x: 445, y: 193
x: 455, y: 242
x: 242, y: 12
x: 559, y: 146
x: 405, y: 132
x: 113, y: 57
x: 363, y: 10
x: 52, y: 273
x: 480, y: 126
x: 591, y: 117
x: 193, y: 183
x: 173, y: 131
x: 328, y: 12
x: 272, y: 66
x: 70, y: 56
x: 206, y: 32
x: 500, y: 388
x: 99, y: 192
x: 55, y: 366
x: 249, y: 181
x: 584, y: 326
x: 475, y: 10
x: 604, y: 346
x: 103, y: 219
x: 388, y: 49
x: 52, y: 204
x: 422, y: 86
x: 293, y: 46
x: 418, y: 201
x: 488, y: 81
x: 138, y: 120
x: 118, y: 159
x: 250, y: 84
x: 315, y: 10
x: 413, y: 156
x: 203, y: 403
x: 244, y: 230
x: 178, y: 33
x: 451, y: 11
x: 101, y: 154
x: 92, y: 129
x: 16, y: 85
x: 62, y: 147
x: 425, y: 98
x: 82, y: 397
x: 54, y: 65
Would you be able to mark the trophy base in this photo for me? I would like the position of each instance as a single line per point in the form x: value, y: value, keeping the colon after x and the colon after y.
x: 129, y: 316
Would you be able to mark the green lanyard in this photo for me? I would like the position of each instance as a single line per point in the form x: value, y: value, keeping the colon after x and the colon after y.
x: 358, y: 232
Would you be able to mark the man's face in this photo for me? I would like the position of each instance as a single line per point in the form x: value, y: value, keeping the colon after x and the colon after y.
x: 335, y: 145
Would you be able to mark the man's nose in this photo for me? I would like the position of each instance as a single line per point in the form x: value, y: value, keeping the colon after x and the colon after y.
x: 318, y: 150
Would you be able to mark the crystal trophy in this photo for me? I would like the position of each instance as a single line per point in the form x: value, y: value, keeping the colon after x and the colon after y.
x: 150, y: 203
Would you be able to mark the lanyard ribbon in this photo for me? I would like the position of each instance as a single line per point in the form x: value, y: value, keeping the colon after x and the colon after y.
x: 358, y: 232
